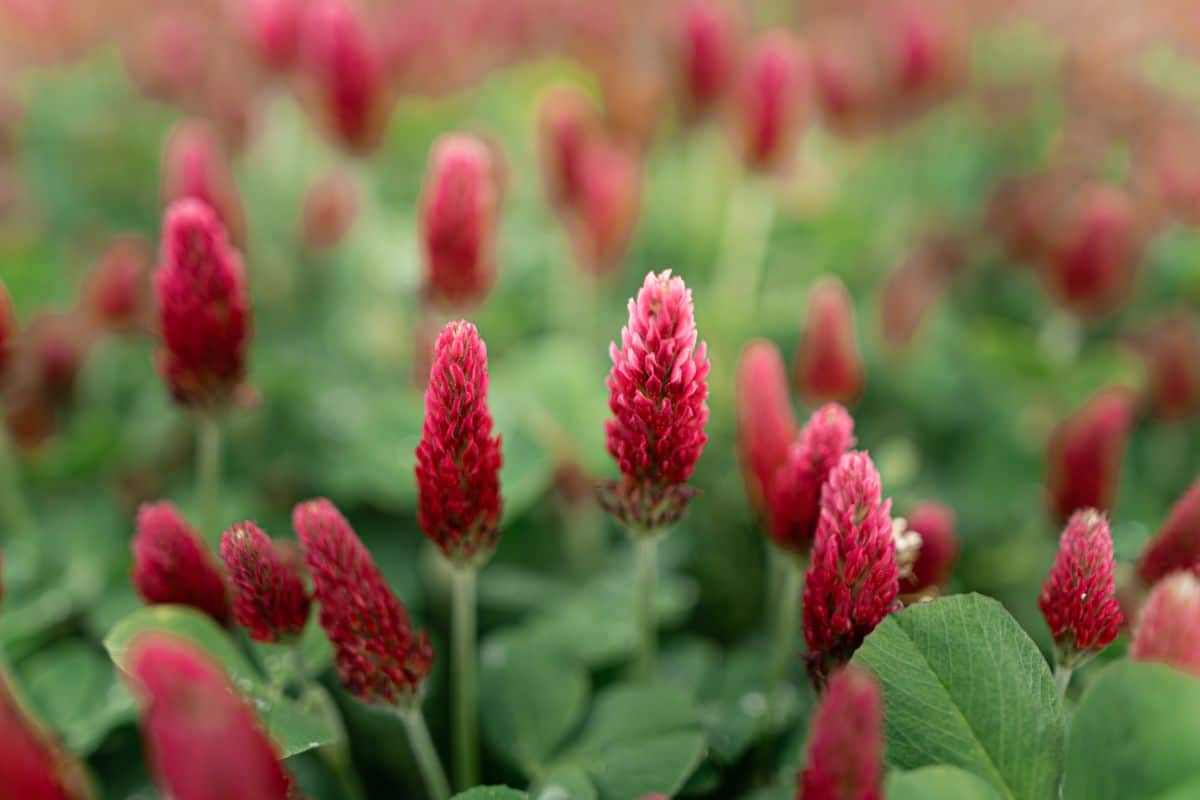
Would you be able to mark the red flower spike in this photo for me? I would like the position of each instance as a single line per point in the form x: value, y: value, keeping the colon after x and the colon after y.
x: 707, y: 52
x: 845, y: 741
x: 203, y: 308
x: 379, y: 658
x: 459, y: 204
x: 8, y: 330
x: 657, y: 394
x: 606, y: 206
x: 269, y: 597
x: 1168, y: 630
x: 195, y: 166
x: 58, y: 343
x: 203, y: 741
x: 1171, y: 353
x: 1091, y: 270
x: 770, y: 100
x: 766, y: 422
x: 1079, y: 599
x: 458, y: 459
x: 330, y: 209
x: 828, y: 365
x: 117, y: 290
x: 32, y: 765
x: 795, y: 494
x: 1176, y: 546
x: 935, y: 524
x: 172, y: 565
x: 853, y: 582
x: 567, y: 122
x: 1084, y: 454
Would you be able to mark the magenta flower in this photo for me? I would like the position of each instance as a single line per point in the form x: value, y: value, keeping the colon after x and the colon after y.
x: 195, y: 166
x: 608, y: 198
x: 657, y: 395
x: 770, y: 100
x: 1176, y: 546
x: 458, y: 459
x: 1092, y: 269
x: 171, y: 564
x: 707, y: 52
x: 1085, y: 451
x: 766, y: 422
x: 117, y: 289
x: 269, y: 597
x: 1079, y: 598
x: 845, y: 741
x: 272, y: 27
x: 32, y: 765
x: 567, y: 122
x: 1171, y: 354
x: 1168, y: 630
x: 828, y: 365
x: 8, y: 330
x: 935, y: 524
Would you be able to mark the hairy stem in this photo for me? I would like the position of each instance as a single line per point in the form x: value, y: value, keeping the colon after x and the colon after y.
x: 466, y: 712
x: 790, y: 585
x: 436, y: 785
x: 645, y: 555
x: 1062, y: 679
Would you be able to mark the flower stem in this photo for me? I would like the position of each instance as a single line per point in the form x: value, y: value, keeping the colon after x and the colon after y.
x: 750, y: 214
x: 1062, y: 679
x: 790, y: 585
x: 17, y: 516
x: 466, y: 712
x: 208, y: 473
x: 337, y: 753
x: 427, y: 758
x: 645, y: 554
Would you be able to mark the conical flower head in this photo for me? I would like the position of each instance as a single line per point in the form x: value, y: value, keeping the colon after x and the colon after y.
x: 203, y: 308
x: 1091, y: 269
x: 770, y: 100
x: 828, y: 365
x: 203, y: 741
x: 795, y: 498
x: 1176, y: 546
x: 171, y: 564
x: 853, y: 581
x: 845, y: 741
x: 117, y: 289
x: 608, y: 199
x: 379, y: 658
x: 459, y: 204
x: 458, y: 459
x: 1168, y: 630
x: 269, y: 597
x: 1171, y: 353
x: 567, y: 122
x: 32, y: 765
x: 1085, y: 452
x: 1079, y: 599
x: 658, y: 393
x: 195, y: 166
x: 766, y: 422
x: 935, y: 524
x: 707, y: 53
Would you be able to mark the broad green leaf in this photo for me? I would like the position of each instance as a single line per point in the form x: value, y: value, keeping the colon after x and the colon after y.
x: 965, y: 685
x: 282, y: 661
x: 1136, y: 734
x: 639, y: 768
x: 564, y: 783
x: 635, y: 712
x: 491, y: 793
x: 939, y: 783
x: 76, y: 691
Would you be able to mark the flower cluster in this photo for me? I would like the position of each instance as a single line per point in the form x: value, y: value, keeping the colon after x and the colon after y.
x: 828, y: 365
x: 845, y: 746
x: 935, y: 524
x: 1168, y: 630
x: 269, y: 597
x: 1176, y: 546
x: 458, y: 459
x: 171, y: 564
x: 1079, y: 597
x: 1084, y: 454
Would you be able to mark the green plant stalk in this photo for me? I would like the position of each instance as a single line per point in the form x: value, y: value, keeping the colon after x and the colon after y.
x: 466, y: 705
x: 1062, y: 679
x: 208, y: 473
x: 790, y: 586
x: 749, y: 217
x: 426, y: 755
x: 19, y: 520
x: 336, y: 754
x: 645, y: 548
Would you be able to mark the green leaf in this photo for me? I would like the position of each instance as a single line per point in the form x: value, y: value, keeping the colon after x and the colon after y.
x: 941, y: 782
x: 965, y: 685
x: 638, y: 768
x: 491, y: 793
x: 1136, y: 734
x: 564, y: 783
x: 531, y: 700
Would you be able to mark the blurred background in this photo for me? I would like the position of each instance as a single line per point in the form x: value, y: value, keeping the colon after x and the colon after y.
x: 1008, y: 193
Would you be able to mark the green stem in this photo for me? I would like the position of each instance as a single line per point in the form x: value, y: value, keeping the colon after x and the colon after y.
x: 17, y: 516
x: 749, y: 216
x: 1062, y: 679
x: 423, y: 750
x: 645, y: 554
x: 466, y: 712
x: 208, y: 473
x: 790, y: 585
x: 337, y: 753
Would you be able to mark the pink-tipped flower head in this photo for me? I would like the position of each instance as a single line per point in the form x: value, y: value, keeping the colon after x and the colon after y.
x: 1079, y: 599
x: 853, y: 581
x: 32, y: 765
x: 459, y: 205
x: 845, y: 741
x: 203, y: 308
x: 567, y: 122
x: 1085, y: 452
x: 1168, y: 630
x: 795, y: 494
x: 770, y: 101
x: 658, y: 393
x: 707, y: 43
x: 828, y: 365
x: 269, y: 597
x: 935, y: 524
x: 1176, y: 546
x: 117, y: 289
x: 1091, y: 269
x: 330, y: 208
x: 1171, y: 354
x: 606, y: 206
x: 766, y: 422
x: 8, y: 329
x: 458, y: 459
x: 203, y: 741
x: 171, y: 564
x: 195, y: 166
x: 379, y: 658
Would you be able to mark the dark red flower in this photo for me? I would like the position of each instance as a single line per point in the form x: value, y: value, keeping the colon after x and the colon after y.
x: 828, y: 365
x: 57, y: 344
x: 770, y: 100
x: 567, y: 122
x: 1176, y: 546
x: 330, y: 208
x: 1171, y: 353
x: 379, y: 658
x: 1168, y: 630
x: 458, y: 459
x: 203, y: 308
x: 1079, y: 599
x: 195, y: 166
x: 795, y: 494
x: 172, y: 565
x: 32, y: 765
x: 935, y: 524
x: 203, y: 741
x: 845, y: 741
x: 8, y: 329
x: 607, y: 201
x: 117, y: 292
x: 1085, y: 452
x: 658, y: 393
x: 1092, y: 268
x: 707, y: 43
x: 766, y: 422
x: 853, y: 581
x: 269, y: 597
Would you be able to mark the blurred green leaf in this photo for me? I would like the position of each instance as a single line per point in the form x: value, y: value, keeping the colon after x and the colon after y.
x: 491, y: 793
x: 939, y: 783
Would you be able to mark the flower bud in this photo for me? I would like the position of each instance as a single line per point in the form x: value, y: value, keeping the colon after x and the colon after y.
x: 795, y: 494
x: 195, y: 166
x: 766, y: 422
x: 1171, y: 354
x: 171, y: 564
x: 1176, y: 546
x: 567, y: 122
x: 935, y: 524
x: 828, y: 365
x: 845, y: 740
x: 1085, y: 452
x: 1168, y: 630
x: 1079, y: 599
x: 770, y: 102
x: 117, y: 292
x: 269, y: 597
x: 707, y: 43
x: 330, y: 208
x: 32, y: 765
x: 607, y: 205
x: 1091, y: 269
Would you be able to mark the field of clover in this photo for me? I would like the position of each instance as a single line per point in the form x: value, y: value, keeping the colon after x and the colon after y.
x: 567, y: 400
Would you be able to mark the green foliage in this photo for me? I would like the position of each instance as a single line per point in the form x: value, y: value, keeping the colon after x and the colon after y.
x: 939, y: 783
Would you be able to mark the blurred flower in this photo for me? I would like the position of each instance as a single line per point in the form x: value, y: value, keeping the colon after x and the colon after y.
x: 922, y: 46
x: 657, y: 394
x: 606, y: 205
x: 459, y: 207
x: 1078, y: 598
x: 567, y: 122
x: 57, y: 345
x: 1171, y: 353
x: 330, y: 209
x: 852, y: 583
x: 935, y: 523
x: 634, y: 90
x: 770, y: 102
x: 766, y: 423
x: 203, y: 741
x: 1091, y: 268
x: 707, y: 44
x: 117, y: 293
x: 8, y: 329
x: 269, y: 597
x: 795, y: 494
x: 166, y: 51
x: 203, y: 308
x: 1168, y: 630
x: 32, y: 765
x: 272, y: 28
x: 844, y: 85
x: 1085, y: 451
x: 1176, y: 546
x: 828, y: 365
x: 195, y: 166
x: 1017, y: 215
x: 379, y: 658
x: 845, y: 740
x: 171, y: 563
x: 458, y: 459
x: 914, y: 287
